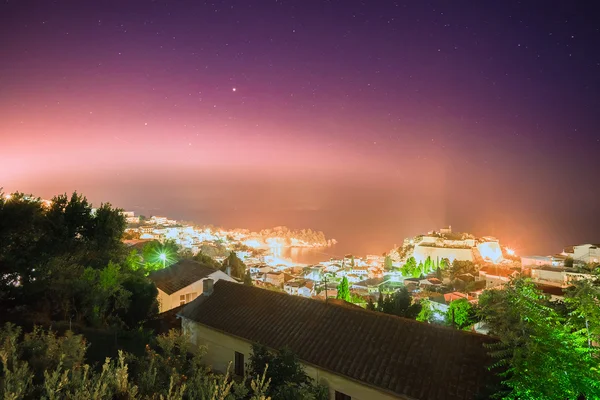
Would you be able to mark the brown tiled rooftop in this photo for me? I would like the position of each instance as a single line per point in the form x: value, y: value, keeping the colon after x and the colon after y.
x: 180, y: 275
x: 400, y: 356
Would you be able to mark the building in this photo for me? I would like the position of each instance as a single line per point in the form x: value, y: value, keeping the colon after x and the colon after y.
x: 349, y: 349
x: 181, y: 282
x: 583, y: 253
x: 299, y: 287
x: 496, y: 276
x: 557, y: 260
x: 372, y: 285
x: 557, y: 276
x: 547, y: 275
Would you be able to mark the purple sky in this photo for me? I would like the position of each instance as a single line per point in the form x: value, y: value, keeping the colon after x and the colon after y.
x: 370, y: 120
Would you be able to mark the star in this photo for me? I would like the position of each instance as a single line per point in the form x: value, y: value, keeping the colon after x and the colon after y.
x: 234, y: 89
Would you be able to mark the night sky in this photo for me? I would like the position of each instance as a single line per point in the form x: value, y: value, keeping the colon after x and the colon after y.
x: 369, y: 120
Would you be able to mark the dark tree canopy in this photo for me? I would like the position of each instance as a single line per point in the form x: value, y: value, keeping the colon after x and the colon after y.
x: 287, y: 375
x: 234, y: 265
x: 399, y: 303
x: 66, y: 261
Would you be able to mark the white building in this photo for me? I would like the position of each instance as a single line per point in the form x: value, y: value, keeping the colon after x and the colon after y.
x: 553, y: 261
x: 584, y: 253
x: 182, y: 282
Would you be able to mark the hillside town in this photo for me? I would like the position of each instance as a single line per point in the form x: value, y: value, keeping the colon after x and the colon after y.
x: 221, y: 305
x: 439, y: 267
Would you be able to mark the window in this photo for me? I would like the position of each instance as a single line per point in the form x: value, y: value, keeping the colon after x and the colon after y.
x: 341, y: 396
x: 239, y: 364
x: 186, y: 298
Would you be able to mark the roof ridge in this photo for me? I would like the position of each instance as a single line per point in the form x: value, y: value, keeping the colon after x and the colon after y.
x: 357, y: 309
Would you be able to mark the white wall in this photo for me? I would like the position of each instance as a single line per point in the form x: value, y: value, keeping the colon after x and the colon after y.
x: 586, y: 254
x: 420, y: 253
x: 555, y: 278
x: 168, y: 302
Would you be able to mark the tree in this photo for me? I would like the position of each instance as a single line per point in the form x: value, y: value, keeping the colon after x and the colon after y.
x: 418, y: 271
x: 207, y: 260
x: 568, y: 262
x: 36, y: 239
x: 426, y: 314
x: 158, y: 255
x: 65, y: 261
x: 42, y: 364
x: 399, y: 303
x: 287, y: 377
x: 370, y: 304
x: 583, y: 307
x: 541, y: 353
x: 234, y: 265
x: 444, y: 263
x: 387, y: 264
x: 427, y: 267
x: 462, y: 267
x: 248, y: 279
x: 460, y: 314
x: 343, y: 290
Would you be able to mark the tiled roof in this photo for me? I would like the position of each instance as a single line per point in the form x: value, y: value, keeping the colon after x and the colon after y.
x: 180, y: 275
x: 372, y: 282
x: 497, y: 271
x: 396, y: 355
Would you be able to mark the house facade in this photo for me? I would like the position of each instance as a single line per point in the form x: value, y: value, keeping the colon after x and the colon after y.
x: 182, y: 282
x: 361, y: 365
x: 584, y: 253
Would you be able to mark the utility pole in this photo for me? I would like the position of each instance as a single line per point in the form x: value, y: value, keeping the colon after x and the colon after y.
x: 325, y: 280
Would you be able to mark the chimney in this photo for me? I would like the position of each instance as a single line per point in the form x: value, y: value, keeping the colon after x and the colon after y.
x: 207, y: 287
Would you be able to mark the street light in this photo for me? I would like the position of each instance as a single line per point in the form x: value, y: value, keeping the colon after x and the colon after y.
x: 163, y: 257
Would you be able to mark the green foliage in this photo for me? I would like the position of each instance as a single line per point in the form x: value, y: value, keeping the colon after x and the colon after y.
x: 411, y: 269
x: 419, y: 271
x: 236, y: 267
x: 582, y: 301
x: 207, y: 260
x: 542, y: 353
x: 69, y: 263
x: 42, y: 365
x: 387, y: 264
x: 286, y: 376
x: 460, y: 314
x: 426, y: 314
x: 462, y: 267
x: 214, y: 249
x: 444, y: 263
x: 370, y: 304
x: 248, y: 279
x: 158, y: 255
x: 399, y: 303
x: 343, y: 290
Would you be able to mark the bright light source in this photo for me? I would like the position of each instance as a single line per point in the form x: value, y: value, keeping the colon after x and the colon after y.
x: 510, y: 251
x: 8, y: 196
x: 163, y: 256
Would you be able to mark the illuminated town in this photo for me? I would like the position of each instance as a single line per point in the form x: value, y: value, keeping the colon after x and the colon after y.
x: 299, y: 200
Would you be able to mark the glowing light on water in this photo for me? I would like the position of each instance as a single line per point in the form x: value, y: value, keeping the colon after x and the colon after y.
x: 254, y: 243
